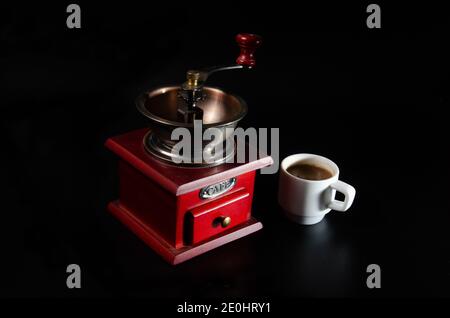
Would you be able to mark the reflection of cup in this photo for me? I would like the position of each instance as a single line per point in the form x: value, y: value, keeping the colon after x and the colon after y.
x: 305, y: 200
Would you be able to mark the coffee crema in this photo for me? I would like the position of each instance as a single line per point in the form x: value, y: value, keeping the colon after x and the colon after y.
x: 309, y: 171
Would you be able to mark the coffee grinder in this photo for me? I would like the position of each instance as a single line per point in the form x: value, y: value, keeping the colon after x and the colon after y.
x: 179, y: 204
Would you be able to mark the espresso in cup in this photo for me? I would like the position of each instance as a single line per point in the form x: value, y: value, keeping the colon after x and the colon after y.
x: 309, y: 171
x: 308, y: 186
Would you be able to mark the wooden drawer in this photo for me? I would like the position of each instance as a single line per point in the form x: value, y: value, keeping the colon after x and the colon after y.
x: 217, y: 216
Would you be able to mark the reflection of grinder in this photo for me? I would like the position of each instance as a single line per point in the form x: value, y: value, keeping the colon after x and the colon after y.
x: 183, y: 210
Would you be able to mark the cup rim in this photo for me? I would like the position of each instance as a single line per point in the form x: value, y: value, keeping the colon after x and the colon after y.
x: 300, y: 156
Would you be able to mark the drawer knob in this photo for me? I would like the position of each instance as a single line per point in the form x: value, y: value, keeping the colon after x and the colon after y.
x: 226, y: 220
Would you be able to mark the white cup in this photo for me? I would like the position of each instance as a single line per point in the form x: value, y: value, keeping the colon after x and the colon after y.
x: 307, y: 201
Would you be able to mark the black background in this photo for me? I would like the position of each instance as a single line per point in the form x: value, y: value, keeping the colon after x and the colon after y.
x: 373, y: 101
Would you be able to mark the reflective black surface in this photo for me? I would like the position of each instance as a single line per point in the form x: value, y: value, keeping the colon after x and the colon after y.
x: 373, y: 101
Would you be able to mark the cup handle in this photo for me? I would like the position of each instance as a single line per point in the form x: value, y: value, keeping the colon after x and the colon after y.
x: 348, y: 191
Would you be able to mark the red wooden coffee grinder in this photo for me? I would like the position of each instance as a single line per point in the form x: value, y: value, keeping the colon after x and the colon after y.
x: 181, y: 204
